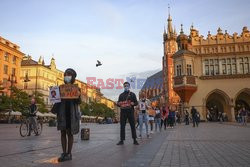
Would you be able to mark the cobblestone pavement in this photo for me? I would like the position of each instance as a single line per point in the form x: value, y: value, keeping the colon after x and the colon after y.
x: 211, y: 144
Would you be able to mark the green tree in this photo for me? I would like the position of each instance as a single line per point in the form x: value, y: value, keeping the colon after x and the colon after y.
x: 19, y: 99
x: 96, y: 109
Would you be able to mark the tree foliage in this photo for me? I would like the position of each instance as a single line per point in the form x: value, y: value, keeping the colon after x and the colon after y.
x: 96, y: 109
x: 20, y: 101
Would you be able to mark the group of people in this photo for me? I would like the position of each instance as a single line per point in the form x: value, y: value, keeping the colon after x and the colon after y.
x: 242, y: 115
x: 144, y: 113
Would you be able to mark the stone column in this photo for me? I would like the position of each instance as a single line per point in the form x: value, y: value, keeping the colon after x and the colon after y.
x: 232, y: 114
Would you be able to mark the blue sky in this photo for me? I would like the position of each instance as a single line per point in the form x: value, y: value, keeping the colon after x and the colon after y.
x: 126, y: 35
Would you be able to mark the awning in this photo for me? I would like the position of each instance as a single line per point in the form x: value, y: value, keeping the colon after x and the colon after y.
x: 15, y: 113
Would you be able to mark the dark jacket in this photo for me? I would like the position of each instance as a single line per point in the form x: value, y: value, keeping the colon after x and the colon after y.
x: 59, y: 109
x: 128, y: 96
x: 33, y: 109
x: 194, y: 112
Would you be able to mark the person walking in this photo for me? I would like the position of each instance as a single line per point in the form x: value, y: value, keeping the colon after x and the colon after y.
x: 194, y: 116
x: 187, y: 117
x: 127, y: 101
x: 220, y: 116
x: 158, y: 119
x: 151, y: 118
x: 172, y: 116
x: 68, y: 117
x: 244, y: 114
x: 143, y: 115
x: 164, y: 117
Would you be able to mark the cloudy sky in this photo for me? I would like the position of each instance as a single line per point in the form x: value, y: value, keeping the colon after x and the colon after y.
x: 126, y: 35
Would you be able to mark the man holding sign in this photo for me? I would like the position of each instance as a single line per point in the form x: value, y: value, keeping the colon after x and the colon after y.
x: 127, y: 100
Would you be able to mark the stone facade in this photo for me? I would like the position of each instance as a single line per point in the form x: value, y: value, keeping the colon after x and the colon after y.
x: 213, y: 74
x: 10, y: 65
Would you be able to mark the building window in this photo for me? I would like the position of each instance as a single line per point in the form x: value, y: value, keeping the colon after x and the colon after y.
x: 216, y: 69
x: 244, y: 65
x: 178, y: 70
x: 211, y: 69
x: 6, y: 56
x: 242, y: 68
x: 224, y: 69
x: 5, y: 69
x: 14, y: 60
x: 207, y: 70
x: 13, y: 71
x: 233, y: 68
x: 229, y: 70
x: 189, y: 69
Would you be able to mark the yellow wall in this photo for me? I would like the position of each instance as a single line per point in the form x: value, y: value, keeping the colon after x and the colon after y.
x: 12, y: 50
x: 217, y: 47
x: 41, y: 78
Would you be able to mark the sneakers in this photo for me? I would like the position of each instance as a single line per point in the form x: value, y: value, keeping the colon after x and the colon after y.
x: 65, y: 157
x: 139, y: 137
x: 120, y: 143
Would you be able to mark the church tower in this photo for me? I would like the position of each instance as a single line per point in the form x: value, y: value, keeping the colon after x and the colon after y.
x: 170, y: 47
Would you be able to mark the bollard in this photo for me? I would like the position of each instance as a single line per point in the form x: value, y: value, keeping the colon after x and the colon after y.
x: 85, y: 133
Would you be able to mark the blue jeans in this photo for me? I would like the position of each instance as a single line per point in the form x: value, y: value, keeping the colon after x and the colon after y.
x: 157, y: 123
x: 143, y: 117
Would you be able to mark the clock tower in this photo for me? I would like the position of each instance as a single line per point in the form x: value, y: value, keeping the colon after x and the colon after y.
x: 170, y: 47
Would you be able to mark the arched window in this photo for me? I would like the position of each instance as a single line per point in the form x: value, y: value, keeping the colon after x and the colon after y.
x: 189, y: 69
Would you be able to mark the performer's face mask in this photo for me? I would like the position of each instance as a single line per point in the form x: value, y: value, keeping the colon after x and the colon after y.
x: 67, y: 79
x: 126, y: 88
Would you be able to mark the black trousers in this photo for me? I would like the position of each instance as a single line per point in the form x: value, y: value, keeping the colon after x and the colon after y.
x: 195, y: 121
x: 165, y: 123
x: 127, y: 114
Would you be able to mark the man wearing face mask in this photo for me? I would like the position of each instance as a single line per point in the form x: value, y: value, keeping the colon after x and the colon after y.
x: 68, y: 118
x: 127, y: 100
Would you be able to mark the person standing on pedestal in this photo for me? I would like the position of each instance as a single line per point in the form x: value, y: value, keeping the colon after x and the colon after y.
x: 127, y: 101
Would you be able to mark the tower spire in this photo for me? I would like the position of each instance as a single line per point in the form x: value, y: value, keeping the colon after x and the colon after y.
x: 181, y: 29
x: 170, y: 27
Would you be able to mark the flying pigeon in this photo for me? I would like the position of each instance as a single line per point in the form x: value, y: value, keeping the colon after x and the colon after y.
x: 98, y: 63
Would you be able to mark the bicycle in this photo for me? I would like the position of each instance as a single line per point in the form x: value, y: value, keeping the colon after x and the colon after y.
x: 27, y: 127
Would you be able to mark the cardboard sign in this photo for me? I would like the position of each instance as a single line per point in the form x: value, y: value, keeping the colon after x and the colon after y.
x: 69, y: 91
x: 125, y: 104
x: 54, y: 95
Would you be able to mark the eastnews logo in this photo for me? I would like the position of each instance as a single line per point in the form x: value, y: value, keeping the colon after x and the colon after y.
x: 117, y: 83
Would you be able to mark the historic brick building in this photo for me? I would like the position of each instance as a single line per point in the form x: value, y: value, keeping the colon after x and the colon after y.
x: 213, y: 73
x: 170, y: 47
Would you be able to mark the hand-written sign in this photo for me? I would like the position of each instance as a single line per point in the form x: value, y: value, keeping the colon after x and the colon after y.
x: 69, y: 91
x: 125, y: 104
